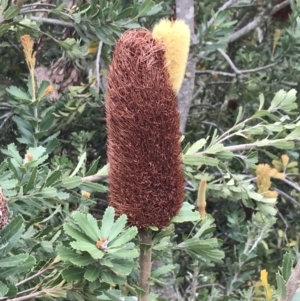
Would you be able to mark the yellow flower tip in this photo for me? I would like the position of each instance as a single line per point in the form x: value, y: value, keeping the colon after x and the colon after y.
x: 29, y: 157
x: 279, y: 175
x: 270, y: 194
x: 264, y: 281
x: 201, y: 199
x: 49, y: 90
x: 85, y: 194
x: 285, y: 160
x: 27, y: 44
x: 278, y: 165
x: 175, y: 35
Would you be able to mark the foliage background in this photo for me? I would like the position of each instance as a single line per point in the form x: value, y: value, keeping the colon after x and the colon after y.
x: 231, y: 65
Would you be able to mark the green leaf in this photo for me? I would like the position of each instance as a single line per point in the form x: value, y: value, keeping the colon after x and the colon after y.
x: 53, y: 177
x: 92, y: 273
x: 125, y: 237
x: 118, y: 227
x: 107, y: 221
x: 73, y: 274
x: 13, y: 261
x: 126, y: 254
x: 187, y: 213
x: 76, y: 234
x: 79, y: 165
x: 199, y: 160
x: 196, y: 147
x: 4, y: 28
x: 18, y: 93
x: 65, y: 253
x: 88, y: 225
x: 32, y: 180
x: 216, y: 148
x: 93, y: 187
x: 70, y: 183
x: 11, y: 12
x: 281, y: 286
x: 207, y: 227
x: 145, y: 7
x: 294, y: 134
x: 3, y: 289
x: 47, y: 192
x: 287, y: 266
x: 93, y: 168
x: 13, y: 153
x: 88, y: 247
x: 284, y: 144
x: 239, y: 115
x: 162, y: 270
x: 261, y: 102
x: 11, y: 234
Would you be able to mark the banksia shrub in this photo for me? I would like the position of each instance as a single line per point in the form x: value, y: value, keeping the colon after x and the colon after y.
x: 145, y: 171
x: 3, y: 211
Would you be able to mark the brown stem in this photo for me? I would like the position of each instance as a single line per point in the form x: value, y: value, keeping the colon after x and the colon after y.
x: 145, y: 262
x: 293, y: 283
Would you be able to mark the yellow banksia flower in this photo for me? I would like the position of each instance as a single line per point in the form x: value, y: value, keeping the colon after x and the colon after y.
x: 48, y: 90
x: 201, y: 199
x: 85, y: 194
x: 176, y: 36
x: 30, y: 55
x: 263, y: 177
x: 285, y: 160
x: 265, y: 284
x: 270, y: 194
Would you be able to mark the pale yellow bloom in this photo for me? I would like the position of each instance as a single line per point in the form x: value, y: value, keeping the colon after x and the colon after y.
x: 264, y: 280
x: 176, y: 36
x: 85, y: 194
x: 285, y: 160
x: 201, y: 199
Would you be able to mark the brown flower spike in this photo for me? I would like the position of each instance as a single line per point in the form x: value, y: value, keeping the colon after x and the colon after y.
x: 145, y: 171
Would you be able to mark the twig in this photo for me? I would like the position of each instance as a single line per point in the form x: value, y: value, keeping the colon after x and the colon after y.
x: 194, y: 283
x: 98, y: 65
x: 252, y: 25
x: 293, y: 283
x: 283, y: 219
x: 215, y: 72
x: 52, y: 22
x: 229, y: 61
x: 239, y: 71
x: 94, y: 178
x: 211, y: 284
x: 28, y: 297
x: 34, y: 276
x: 286, y: 196
x: 242, y: 147
x: 292, y: 184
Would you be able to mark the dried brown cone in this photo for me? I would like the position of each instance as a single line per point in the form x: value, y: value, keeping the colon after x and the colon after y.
x: 3, y: 211
x: 145, y: 171
x: 61, y: 75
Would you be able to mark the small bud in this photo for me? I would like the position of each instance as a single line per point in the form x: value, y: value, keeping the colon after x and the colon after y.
x: 29, y: 157
x: 285, y: 160
x: 85, y: 194
x: 201, y: 200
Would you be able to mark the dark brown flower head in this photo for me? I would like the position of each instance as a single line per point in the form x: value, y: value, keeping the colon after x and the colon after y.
x: 3, y: 211
x: 145, y: 173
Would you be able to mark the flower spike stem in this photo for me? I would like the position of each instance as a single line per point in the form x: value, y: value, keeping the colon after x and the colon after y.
x: 145, y: 262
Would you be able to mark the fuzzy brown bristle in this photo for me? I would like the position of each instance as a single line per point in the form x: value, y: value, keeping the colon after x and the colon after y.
x: 146, y: 179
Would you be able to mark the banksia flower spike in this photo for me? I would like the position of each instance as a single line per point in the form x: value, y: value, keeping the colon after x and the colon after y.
x: 264, y: 174
x: 145, y: 170
x: 175, y: 35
